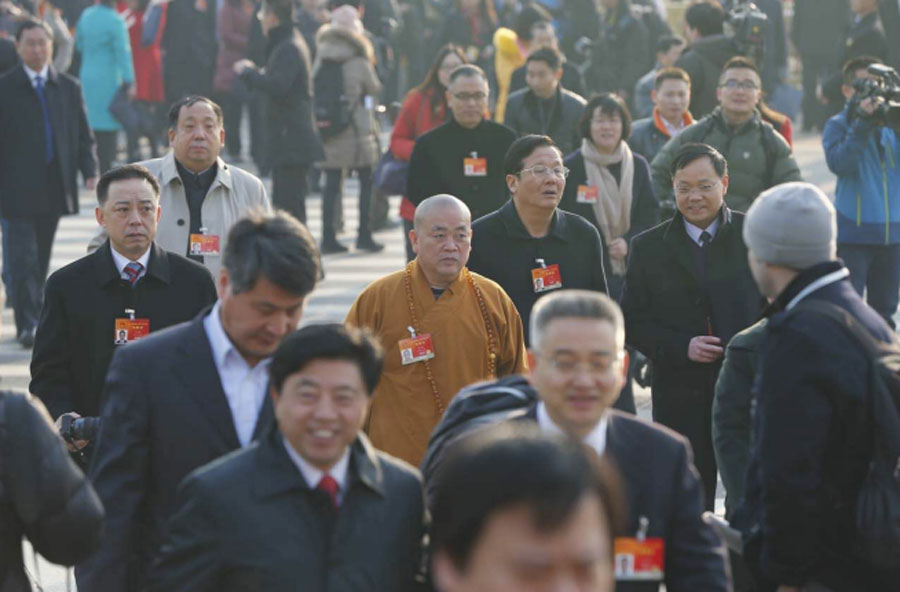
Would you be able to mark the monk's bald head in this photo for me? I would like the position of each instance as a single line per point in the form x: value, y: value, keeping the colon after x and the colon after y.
x: 442, y: 203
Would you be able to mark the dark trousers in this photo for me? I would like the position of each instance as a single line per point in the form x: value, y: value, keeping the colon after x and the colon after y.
x: 691, y: 416
x: 875, y: 270
x: 30, y: 242
x: 258, y: 134
x: 334, y: 184
x: 289, y: 189
x: 232, y: 109
x: 133, y: 138
x: 107, y: 146
x: 816, y: 68
x: 407, y: 226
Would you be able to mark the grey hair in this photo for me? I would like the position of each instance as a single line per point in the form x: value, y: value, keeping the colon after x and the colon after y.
x: 575, y: 304
x: 276, y: 246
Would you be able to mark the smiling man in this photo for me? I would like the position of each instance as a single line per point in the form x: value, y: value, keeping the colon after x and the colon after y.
x: 442, y: 327
x: 181, y: 398
x: 688, y: 291
x: 312, y: 503
x: 129, y: 284
x: 529, y: 246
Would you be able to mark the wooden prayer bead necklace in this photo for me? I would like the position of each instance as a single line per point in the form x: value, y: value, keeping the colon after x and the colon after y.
x: 492, y: 356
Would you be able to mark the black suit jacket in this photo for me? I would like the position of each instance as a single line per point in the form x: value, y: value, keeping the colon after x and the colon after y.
x: 250, y: 522
x: 22, y: 150
x: 666, y: 304
x: 74, y: 341
x: 164, y: 415
x: 662, y: 485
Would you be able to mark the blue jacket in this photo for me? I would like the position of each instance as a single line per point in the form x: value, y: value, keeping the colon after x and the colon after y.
x: 102, y: 39
x: 865, y: 159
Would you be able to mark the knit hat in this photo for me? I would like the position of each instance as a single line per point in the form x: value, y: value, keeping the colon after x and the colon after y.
x: 346, y: 17
x: 793, y: 225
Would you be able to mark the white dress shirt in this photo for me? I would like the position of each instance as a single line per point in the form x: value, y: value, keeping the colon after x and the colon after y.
x: 695, y: 231
x: 313, y: 475
x: 121, y: 261
x: 596, y: 439
x: 32, y: 74
x: 673, y: 128
x: 245, y: 387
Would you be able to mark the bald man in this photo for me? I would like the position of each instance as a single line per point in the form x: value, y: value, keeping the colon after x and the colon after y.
x: 441, y: 326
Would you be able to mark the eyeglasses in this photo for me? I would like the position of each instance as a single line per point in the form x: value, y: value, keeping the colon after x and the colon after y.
x: 466, y: 97
x: 702, y: 189
x: 741, y: 84
x: 543, y: 171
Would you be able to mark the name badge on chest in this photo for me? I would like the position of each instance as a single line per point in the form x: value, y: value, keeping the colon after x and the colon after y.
x: 640, y: 559
x: 546, y: 277
x: 416, y: 348
x: 130, y: 329
x: 474, y: 166
x: 586, y: 194
x: 204, y: 244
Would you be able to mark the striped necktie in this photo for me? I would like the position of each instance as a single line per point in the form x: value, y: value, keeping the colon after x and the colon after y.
x: 132, y: 272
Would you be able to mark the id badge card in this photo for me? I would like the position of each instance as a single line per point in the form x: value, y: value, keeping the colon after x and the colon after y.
x: 475, y: 167
x: 204, y: 244
x: 546, y: 278
x: 586, y: 194
x: 416, y: 349
x: 639, y: 560
x: 130, y: 330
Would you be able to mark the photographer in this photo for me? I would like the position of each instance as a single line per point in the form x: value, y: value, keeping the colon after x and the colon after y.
x: 863, y: 152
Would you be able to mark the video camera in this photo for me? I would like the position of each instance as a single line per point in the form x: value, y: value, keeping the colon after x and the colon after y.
x: 73, y: 429
x: 885, y: 85
x: 748, y: 26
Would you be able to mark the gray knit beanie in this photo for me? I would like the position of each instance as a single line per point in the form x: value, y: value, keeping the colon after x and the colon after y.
x: 793, y: 225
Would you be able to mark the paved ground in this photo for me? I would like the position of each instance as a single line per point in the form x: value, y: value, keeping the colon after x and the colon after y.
x: 346, y: 275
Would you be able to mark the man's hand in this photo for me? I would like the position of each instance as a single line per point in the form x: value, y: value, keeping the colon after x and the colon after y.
x: 90, y: 183
x: 705, y: 349
x: 618, y: 249
x: 241, y: 65
x: 869, y: 104
x: 77, y: 444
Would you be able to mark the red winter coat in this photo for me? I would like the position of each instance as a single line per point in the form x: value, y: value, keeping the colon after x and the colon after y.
x: 147, y: 59
x: 415, y: 118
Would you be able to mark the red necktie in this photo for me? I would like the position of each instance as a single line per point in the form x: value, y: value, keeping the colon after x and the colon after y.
x: 329, y: 486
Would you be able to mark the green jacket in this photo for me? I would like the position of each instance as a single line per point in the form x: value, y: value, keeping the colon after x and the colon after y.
x: 732, y: 433
x: 758, y: 158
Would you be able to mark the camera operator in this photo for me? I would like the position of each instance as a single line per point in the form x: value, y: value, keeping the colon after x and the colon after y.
x: 863, y: 152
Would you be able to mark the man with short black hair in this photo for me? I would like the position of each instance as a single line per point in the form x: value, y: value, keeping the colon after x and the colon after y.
x: 688, y: 291
x: 463, y: 157
x: 758, y: 156
x: 312, y: 501
x: 529, y: 246
x: 546, y: 107
x: 181, y: 398
x: 670, y: 97
x: 668, y: 50
x: 129, y: 284
x: 543, y: 34
x: 45, y: 143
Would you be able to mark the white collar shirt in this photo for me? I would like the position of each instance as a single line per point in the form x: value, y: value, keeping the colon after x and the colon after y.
x: 32, y: 74
x: 313, y: 475
x: 596, y: 439
x: 245, y: 387
x: 121, y: 261
x: 695, y: 231
x: 673, y: 128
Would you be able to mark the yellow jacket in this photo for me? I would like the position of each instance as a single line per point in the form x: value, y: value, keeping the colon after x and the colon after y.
x: 507, y: 57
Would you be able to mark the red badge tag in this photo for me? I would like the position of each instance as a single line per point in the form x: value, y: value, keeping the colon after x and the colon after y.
x: 639, y: 560
x: 416, y: 349
x: 586, y: 194
x: 130, y: 330
x: 475, y: 167
x: 204, y: 244
x: 546, y: 278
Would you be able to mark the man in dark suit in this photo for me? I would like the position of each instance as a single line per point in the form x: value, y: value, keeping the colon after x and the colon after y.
x: 128, y: 285
x: 312, y: 501
x: 187, y: 395
x: 688, y: 290
x: 46, y: 141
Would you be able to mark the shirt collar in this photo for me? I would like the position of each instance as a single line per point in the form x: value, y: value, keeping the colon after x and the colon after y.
x: 32, y: 74
x: 695, y: 231
x: 515, y: 228
x: 596, y: 439
x: 313, y: 475
x: 121, y: 260
x: 220, y: 343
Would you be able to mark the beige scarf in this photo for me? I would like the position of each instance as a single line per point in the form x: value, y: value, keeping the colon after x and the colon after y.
x: 613, y: 205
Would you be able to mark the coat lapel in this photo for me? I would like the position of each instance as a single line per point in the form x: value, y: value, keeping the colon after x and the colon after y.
x: 679, y: 249
x: 56, y: 108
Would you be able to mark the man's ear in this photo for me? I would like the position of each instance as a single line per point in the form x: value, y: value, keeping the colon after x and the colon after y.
x: 512, y: 183
x: 725, y: 183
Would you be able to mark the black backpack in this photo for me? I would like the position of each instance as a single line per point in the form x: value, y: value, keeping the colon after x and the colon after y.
x: 876, y: 537
x: 333, y: 111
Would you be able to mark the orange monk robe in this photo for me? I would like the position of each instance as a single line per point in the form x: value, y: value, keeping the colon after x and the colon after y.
x: 404, y: 410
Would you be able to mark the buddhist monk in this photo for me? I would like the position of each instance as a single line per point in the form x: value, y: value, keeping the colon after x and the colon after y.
x: 441, y: 326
